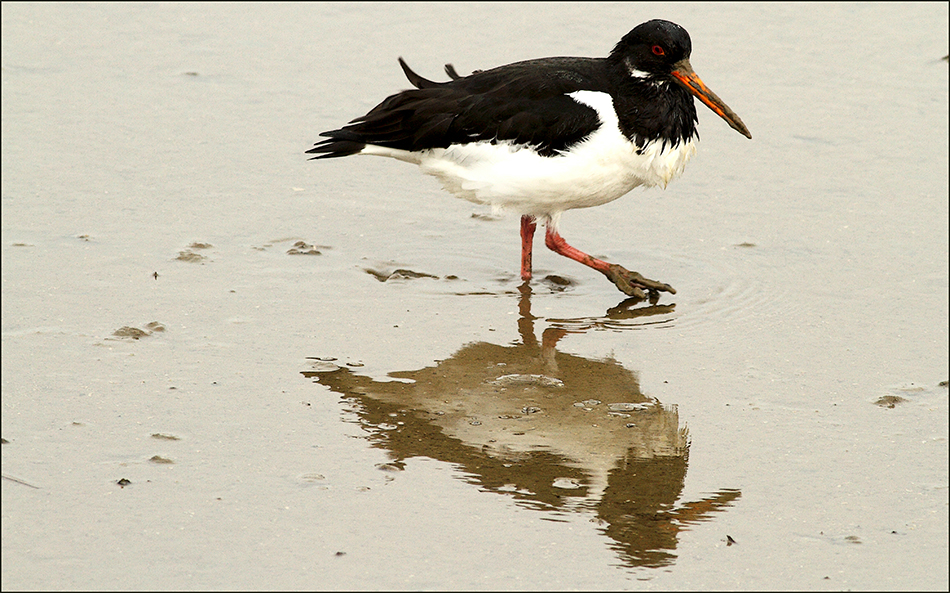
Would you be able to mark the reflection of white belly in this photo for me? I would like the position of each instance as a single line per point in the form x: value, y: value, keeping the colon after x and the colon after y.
x: 598, y: 170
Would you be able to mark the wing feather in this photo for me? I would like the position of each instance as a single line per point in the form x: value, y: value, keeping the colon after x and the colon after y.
x: 525, y: 103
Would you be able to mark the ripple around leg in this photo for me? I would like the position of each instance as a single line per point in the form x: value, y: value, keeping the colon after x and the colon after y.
x: 726, y: 289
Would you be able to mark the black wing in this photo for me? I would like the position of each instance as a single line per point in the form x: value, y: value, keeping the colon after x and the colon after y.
x: 524, y: 103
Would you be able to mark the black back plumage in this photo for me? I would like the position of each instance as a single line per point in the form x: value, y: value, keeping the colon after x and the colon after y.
x: 527, y: 103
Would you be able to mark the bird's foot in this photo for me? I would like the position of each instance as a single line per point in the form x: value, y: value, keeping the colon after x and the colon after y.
x: 634, y: 284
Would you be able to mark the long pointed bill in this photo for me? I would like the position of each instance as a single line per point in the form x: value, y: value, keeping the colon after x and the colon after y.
x: 684, y: 75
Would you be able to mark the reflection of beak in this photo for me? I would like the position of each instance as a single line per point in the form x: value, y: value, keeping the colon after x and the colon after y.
x: 684, y: 75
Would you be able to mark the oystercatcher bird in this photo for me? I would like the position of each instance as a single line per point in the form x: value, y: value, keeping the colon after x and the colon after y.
x: 543, y: 136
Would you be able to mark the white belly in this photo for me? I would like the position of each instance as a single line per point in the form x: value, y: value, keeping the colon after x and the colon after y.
x: 600, y: 169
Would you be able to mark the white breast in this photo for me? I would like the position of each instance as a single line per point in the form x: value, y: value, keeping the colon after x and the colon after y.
x: 598, y: 170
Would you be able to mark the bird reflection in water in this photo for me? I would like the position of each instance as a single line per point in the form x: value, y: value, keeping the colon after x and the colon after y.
x: 555, y: 431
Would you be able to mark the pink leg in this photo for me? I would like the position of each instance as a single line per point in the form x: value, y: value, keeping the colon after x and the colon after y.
x: 557, y: 244
x: 628, y: 282
x: 528, y: 224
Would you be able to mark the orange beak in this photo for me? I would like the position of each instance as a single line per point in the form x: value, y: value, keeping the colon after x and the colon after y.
x: 689, y: 80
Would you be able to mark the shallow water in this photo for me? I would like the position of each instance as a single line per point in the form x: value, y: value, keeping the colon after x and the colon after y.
x: 310, y: 380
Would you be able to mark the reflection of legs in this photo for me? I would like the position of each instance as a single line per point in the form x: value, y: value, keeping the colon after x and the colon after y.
x: 528, y: 224
x: 549, y: 338
x: 525, y: 318
x: 628, y: 282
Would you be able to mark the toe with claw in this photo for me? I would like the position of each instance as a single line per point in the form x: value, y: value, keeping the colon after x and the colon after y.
x: 634, y: 284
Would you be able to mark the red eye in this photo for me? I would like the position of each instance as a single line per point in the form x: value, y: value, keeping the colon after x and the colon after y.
x: 658, y: 51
